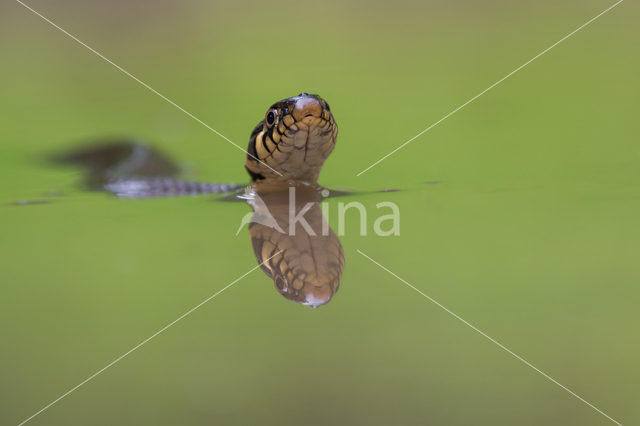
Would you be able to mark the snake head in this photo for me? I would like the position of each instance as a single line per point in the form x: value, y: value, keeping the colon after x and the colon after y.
x: 293, y: 140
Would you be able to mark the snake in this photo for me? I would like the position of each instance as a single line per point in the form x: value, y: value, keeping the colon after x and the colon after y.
x: 289, y: 146
x: 287, y: 149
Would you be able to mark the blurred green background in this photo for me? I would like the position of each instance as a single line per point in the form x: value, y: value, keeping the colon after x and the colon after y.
x: 532, y: 234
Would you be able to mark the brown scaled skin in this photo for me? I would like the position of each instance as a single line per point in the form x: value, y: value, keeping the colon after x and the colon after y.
x: 293, y: 141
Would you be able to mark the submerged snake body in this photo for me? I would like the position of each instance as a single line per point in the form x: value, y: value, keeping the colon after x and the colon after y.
x: 164, y: 187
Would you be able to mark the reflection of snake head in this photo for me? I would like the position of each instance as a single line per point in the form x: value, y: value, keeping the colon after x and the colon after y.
x: 307, y: 277
x: 294, y: 139
x: 307, y: 262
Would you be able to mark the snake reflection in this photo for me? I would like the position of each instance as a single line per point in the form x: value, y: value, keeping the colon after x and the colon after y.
x: 309, y: 266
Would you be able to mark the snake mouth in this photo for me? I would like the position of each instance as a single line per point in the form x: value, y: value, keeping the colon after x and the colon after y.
x: 314, y: 292
x: 311, y: 121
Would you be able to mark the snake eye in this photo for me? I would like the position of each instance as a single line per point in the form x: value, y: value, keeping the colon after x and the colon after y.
x: 326, y: 106
x: 279, y: 283
x: 271, y: 117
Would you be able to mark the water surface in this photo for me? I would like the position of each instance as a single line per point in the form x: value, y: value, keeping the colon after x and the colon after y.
x: 531, y: 235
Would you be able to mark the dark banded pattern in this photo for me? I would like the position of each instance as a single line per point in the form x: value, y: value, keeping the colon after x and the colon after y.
x: 164, y: 187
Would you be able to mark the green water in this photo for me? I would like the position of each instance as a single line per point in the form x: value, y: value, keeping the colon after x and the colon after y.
x: 532, y: 234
